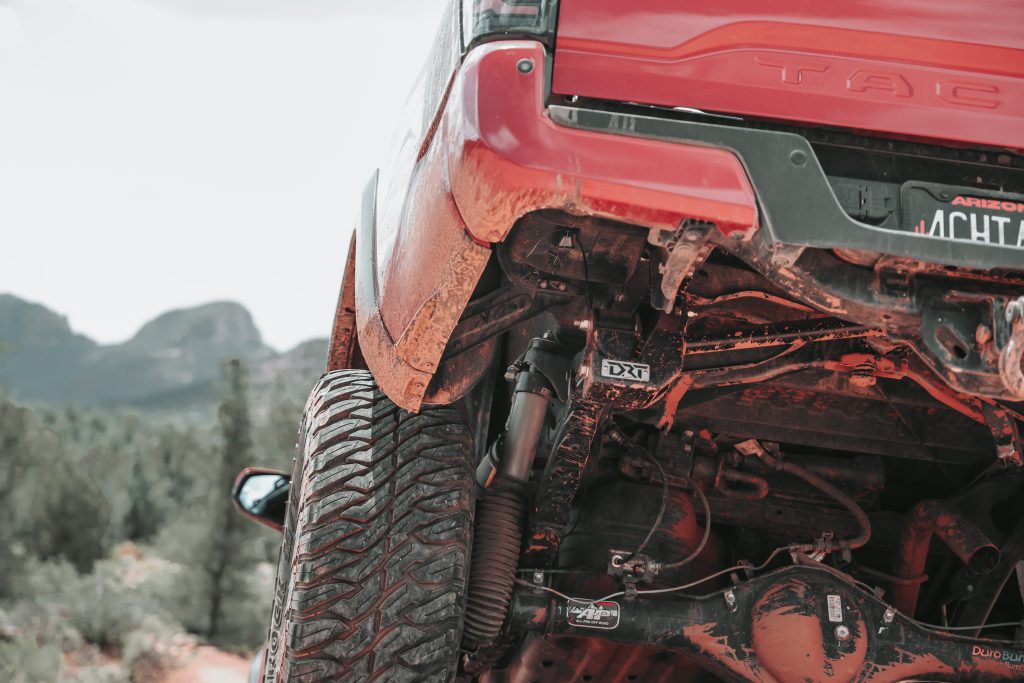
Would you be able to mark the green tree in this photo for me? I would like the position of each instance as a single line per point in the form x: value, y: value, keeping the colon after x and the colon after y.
x: 227, y: 555
x: 278, y: 432
x: 68, y: 515
x: 15, y: 462
x: 180, y: 454
x: 145, y: 514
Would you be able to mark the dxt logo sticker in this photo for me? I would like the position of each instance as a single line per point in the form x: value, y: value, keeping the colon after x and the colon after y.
x: 625, y: 371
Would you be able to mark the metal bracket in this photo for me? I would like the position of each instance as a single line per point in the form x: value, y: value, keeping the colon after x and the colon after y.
x: 628, y: 369
x: 561, y: 481
x: 494, y: 313
x: 687, y: 247
x: 1009, y: 445
x: 631, y: 568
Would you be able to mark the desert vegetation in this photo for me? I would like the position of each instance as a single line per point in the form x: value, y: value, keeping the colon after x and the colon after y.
x: 119, y: 547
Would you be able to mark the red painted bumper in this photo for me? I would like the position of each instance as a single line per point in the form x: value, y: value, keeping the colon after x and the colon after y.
x: 507, y: 158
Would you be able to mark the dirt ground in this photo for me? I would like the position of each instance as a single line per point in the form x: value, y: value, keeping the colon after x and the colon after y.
x: 210, y: 665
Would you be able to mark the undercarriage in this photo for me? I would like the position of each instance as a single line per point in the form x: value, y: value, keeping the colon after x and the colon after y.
x: 716, y: 459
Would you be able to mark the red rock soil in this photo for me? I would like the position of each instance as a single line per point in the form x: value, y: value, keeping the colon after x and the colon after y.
x: 210, y: 665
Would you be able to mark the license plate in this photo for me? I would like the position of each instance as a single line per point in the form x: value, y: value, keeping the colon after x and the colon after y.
x: 964, y: 214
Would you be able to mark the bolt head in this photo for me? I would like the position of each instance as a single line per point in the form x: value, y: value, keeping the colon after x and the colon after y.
x: 888, y: 616
x: 842, y: 632
x: 524, y: 66
x: 983, y: 334
x: 538, y: 577
x: 730, y: 598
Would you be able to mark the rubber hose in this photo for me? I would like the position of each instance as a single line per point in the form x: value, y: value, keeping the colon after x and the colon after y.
x: 500, y: 516
x: 863, y: 523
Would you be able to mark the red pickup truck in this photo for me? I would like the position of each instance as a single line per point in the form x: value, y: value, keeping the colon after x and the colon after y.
x: 679, y: 341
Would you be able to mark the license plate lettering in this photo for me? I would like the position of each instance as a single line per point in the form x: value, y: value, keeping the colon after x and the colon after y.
x: 963, y: 215
x: 971, y: 227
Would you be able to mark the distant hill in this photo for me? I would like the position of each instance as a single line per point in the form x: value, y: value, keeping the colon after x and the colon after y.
x: 171, y: 364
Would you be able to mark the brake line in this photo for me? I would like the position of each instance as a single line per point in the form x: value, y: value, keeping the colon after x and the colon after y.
x: 754, y: 448
x: 655, y: 591
x: 617, y: 435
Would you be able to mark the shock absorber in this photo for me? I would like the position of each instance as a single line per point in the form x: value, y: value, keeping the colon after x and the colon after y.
x: 501, y: 513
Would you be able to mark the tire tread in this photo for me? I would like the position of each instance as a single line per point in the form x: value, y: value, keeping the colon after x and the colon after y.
x: 373, y: 569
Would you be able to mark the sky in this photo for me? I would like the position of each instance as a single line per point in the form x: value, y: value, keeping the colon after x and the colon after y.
x: 159, y: 154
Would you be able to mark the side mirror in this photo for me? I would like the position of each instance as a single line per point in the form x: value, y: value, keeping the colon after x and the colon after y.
x: 262, y: 495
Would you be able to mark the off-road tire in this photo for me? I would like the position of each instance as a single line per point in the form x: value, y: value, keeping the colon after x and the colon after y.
x: 372, y: 575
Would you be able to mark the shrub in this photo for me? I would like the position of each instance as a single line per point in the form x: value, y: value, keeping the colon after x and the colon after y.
x: 42, y: 586
x: 102, y: 610
x: 185, y: 592
x: 147, y: 650
x: 98, y: 608
x: 23, y: 659
x: 107, y: 673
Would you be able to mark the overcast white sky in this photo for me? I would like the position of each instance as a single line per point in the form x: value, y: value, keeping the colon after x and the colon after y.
x: 157, y: 154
